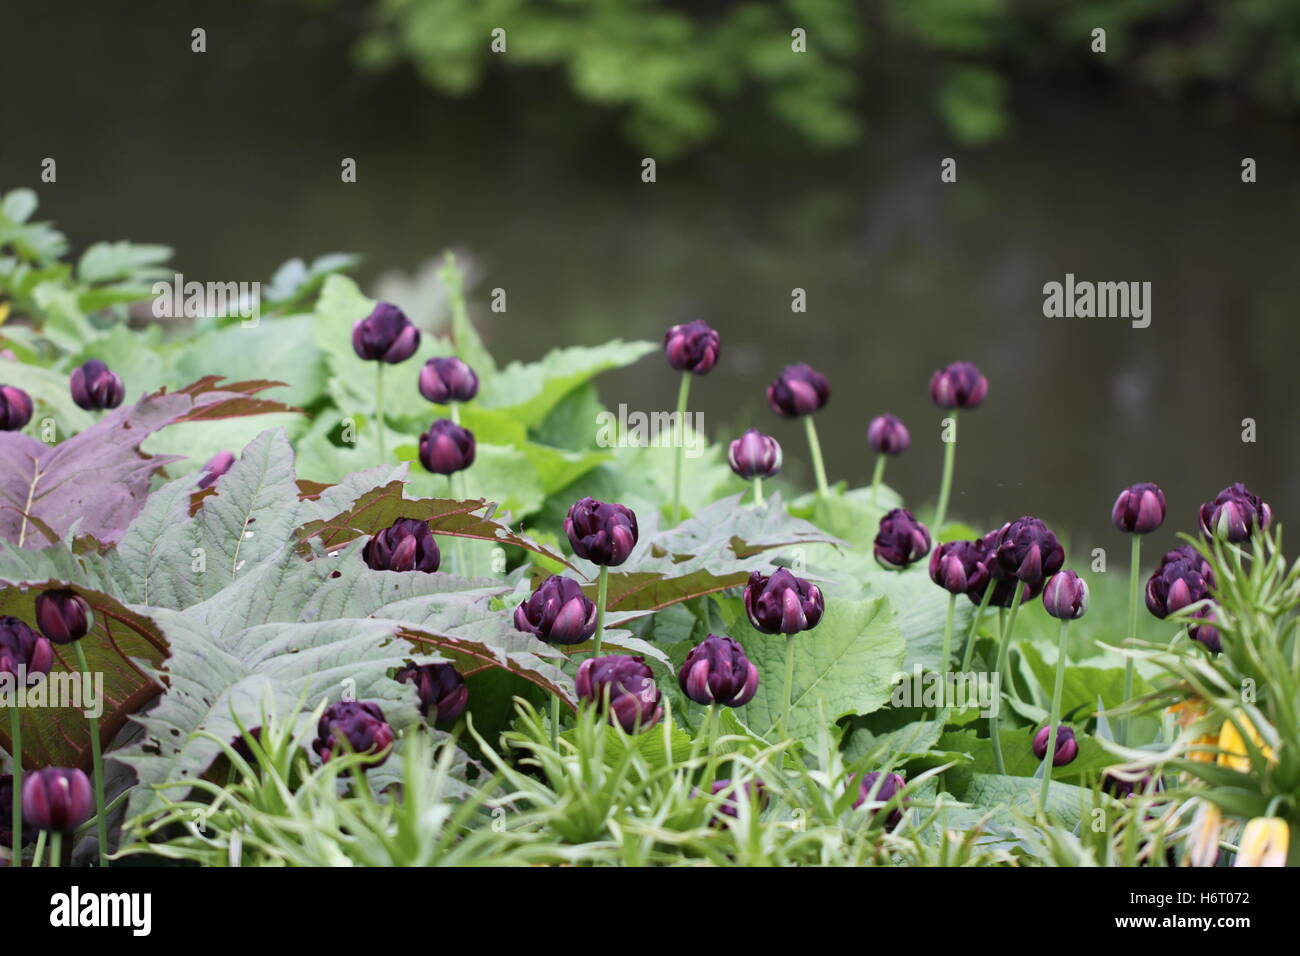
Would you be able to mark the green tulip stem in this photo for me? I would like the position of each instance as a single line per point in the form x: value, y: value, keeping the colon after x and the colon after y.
x: 16, y: 753
x: 555, y: 722
x: 379, y: 410
x: 712, y: 721
x: 758, y: 491
x: 40, y: 849
x: 1055, y: 718
x: 815, y: 449
x: 1135, y: 564
x: 947, y: 638
x: 783, y: 726
x: 975, y: 625
x: 56, y: 848
x: 683, y: 394
x: 602, y: 592
x: 876, y: 476
x: 945, y: 486
x: 1004, y: 653
x: 101, y: 819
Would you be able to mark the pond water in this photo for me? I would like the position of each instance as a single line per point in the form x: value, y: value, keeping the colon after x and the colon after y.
x: 233, y: 158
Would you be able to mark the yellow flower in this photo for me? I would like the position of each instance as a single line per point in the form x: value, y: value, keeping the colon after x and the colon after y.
x: 1234, y: 753
x: 1264, y: 842
x: 1185, y: 713
x: 1205, y: 835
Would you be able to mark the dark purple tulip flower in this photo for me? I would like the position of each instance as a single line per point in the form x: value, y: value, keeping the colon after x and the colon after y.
x: 353, y: 724
x: 1120, y: 788
x: 782, y: 603
x: 888, y: 435
x: 1067, y: 748
x: 1139, y: 509
x: 7, y: 817
x: 630, y: 684
x: 730, y: 804
x: 446, y: 448
x: 63, y: 615
x: 214, y: 469
x: 960, y: 567
x: 960, y: 385
x: 798, y: 390
x: 1206, y: 634
x: 1029, y: 551
x: 15, y: 408
x: 901, y: 540
x: 442, y: 691
x: 444, y: 380
x: 716, y: 671
x: 385, y: 335
x: 405, y: 545
x: 1065, y: 596
x: 95, y: 387
x: 23, y: 651
x: 557, y: 612
x: 755, y: 455
x: 1004, y: 592
x: 1235, y: 513
x: 57, y: 799
x: 1182, y: 578
x: 603, y: 532
x: 692, y: 347
x: 886, y: 790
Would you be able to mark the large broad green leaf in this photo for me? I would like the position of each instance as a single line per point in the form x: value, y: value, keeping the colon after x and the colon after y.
x: 1006, y: 796
x: 530, y: 391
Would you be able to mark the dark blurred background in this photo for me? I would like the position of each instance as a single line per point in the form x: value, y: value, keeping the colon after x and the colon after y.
x: 1124, y: 166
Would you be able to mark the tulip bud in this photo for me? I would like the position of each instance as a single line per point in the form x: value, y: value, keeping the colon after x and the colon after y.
x: 729, y: 806
x: 444, y: 380
x: 405, y: 545
x: 885, y: 790
x: 1182, y: 578
x: 1066, y: 596
x: 63, y: 615
x: 1067, y: 748
x: 57, y: 799
x: 385, y: 335
x: 446, y: 448
x: 960, y: 567
x: 888, y: 435
x: 1264, y: 842
x: 782, y: 603
x: 95, y: 388
x: 442, y: 691
x: 1121, y: 787
x: 15, y: 408
x: 693, y: 347
x: 960, y: 385
x: 755, y: 455
x: 1029, y: 551
x: 557, y: 612
x: 602, y: 532
x: 630, y: 685
x: 1004, y: 592
x: 1139, y: 509
x: 798, y: 390
x: 901, y: 540
x: 1235, y: 513
x: 353, y: 725
x: 215, y: 468
x: 1207, y: 635
x: 716, y: 671
x: 7, y: 817
x: 23, y: 652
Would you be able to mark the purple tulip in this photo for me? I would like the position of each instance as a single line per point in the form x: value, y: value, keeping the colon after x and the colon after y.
x: 15, y: 408
x: 95, y: 388
x: 888, y: 435
x: 1183, y: 578
x: 1067, y: 748
x: 1120, y: 788
x: 692, y: 347
x: 960, y: 385
x: 354, y: 725
x: 716, y: 671
x: 444, y: 380
x: 385, y: 335
x: 1028, y: 551
x: 782, y: 603
x: 57, y: 799
x: 1065, y: 596
x: 798, y: 390
x: 755, y: 455
x: 557, y: 612
x: 602, y: 532
x: 442, y: 691
x: 901, y: 540
x: 729, y: 806
x: 405, y: 545
x: 215, y: 468
x: 63, y: 615
x: 630, y: 685
x: 7, y: 816
x: 1207, y: 634
x: 960, y: 567
x: 1139, y: 509
x: 1235, y: 513
x: 23, y: 653
x: 885, y: 790
x: 446, y: 448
